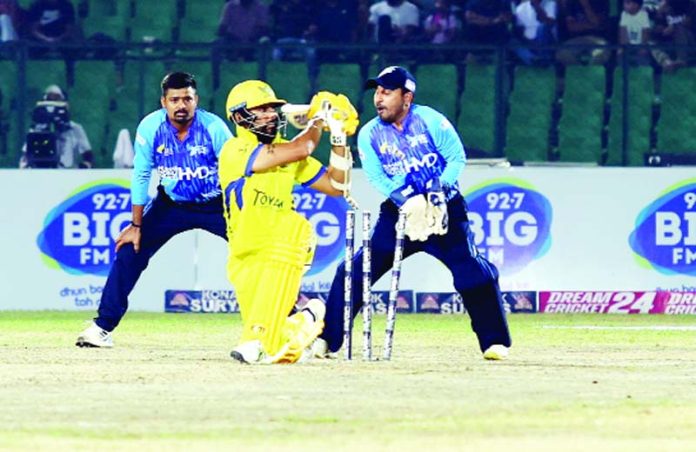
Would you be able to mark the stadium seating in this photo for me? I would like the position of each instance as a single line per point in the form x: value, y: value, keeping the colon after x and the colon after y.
x: 8, y: 92
x: 476, y: 123
x: 641, y: 97
x: 676, y: 133
x: 127, y: 113
x: 106, y: 17
x: 529, y: 120
x: 199, y: 24
x: 202, y: 71
x: 343, y: 78
x: 90, y: 102
x: 229, y: 75
x: 153, y: 20
x: 438, y: 87
x: 8, y: 81
x: 290, y: 80
x: 580, y: 125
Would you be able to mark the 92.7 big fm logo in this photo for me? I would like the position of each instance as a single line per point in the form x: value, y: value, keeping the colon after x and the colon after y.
x: 79, y: 234
x: 511, y: 223
x: 665, y: 234
x: 327, y: 215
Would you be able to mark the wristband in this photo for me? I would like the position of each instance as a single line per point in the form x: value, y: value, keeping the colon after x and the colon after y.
x: 338, y: 139
x: 341, y: 186
x: 340, y: 162
x: 135, y: 225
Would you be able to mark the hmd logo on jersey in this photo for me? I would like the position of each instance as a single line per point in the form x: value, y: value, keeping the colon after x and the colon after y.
x: 426, y: 161
x: 327, y: 215
x: 665, y: 234
x: 79, y: 234
x: 179, y: 173
x: 511, y: 222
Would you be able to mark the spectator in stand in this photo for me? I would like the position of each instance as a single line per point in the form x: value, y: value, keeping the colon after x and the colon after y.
x: 634, y: 29
x: 9, y: 20
x: 394, y: 22
x: 52, y: 21
x: 363, y: 11
x: 535, y: 22
x: 487, y: 23
x: 243, y: 22
x: 335, y: 23
x: 586, y: 22
x: 674, y: 26
x: 651, y: 7
x: 442, y: 26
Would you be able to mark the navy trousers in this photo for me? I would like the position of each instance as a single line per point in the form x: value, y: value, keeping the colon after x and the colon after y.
x: 162, y: 220
x: 475, y: 278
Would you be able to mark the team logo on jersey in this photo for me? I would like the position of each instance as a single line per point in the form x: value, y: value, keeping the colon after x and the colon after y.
x: 327, y: 215
x: 79, y: 234
x: 665, y: 234
x: 162, y: 149
x: 511, y: 223
x: 198, y: 150
x: 391, y: 149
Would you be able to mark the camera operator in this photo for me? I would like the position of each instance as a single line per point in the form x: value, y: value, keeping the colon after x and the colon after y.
x: 54, y: 141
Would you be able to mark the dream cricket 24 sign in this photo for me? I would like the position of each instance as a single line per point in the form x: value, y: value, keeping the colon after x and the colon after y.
x: 617, y: 302
x: 79, y: 234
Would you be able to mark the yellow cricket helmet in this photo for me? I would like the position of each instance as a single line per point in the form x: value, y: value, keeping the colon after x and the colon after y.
x: 251, y: 94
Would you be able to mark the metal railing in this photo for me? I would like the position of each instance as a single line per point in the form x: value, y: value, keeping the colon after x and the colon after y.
x: 17, y: 57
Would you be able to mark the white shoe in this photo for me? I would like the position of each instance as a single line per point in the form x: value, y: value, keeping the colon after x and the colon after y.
x: 250, y: 352
x: 305, y: 326
x: 95, y: 336
x: 319, y: 348
x: 496, y: 352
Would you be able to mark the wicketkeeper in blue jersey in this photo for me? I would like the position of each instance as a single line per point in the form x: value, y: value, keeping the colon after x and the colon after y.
x: 413, y: 155
x: 182, y: 143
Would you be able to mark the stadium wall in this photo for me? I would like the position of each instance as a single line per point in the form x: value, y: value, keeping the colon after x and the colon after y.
x: 547, y: 229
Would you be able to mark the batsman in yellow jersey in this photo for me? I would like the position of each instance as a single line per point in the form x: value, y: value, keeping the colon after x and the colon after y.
x: 269, y: 242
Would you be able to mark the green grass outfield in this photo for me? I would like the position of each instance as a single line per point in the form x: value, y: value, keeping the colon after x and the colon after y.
x: 628, y: 383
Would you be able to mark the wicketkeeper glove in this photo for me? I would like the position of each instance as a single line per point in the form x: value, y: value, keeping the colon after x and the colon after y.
x: 436, y: 210
x: 417, y: 226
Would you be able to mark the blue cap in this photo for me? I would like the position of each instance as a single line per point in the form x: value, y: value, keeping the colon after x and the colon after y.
x: 393, y: 77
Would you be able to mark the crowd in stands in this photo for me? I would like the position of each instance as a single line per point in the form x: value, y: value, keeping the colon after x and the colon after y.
x: 518, y: 23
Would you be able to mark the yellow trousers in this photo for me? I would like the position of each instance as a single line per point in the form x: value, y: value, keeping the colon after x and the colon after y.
x: 267, y: 281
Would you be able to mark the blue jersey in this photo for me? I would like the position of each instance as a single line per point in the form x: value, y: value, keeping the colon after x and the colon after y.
x: 401, y: 163
x: 188, y: 170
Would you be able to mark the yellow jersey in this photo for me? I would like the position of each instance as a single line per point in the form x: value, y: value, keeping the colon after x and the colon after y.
x: 259, y: 206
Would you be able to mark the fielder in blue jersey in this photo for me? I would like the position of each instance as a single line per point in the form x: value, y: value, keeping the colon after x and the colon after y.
x: 181, y: 143
x: 413, y: 155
